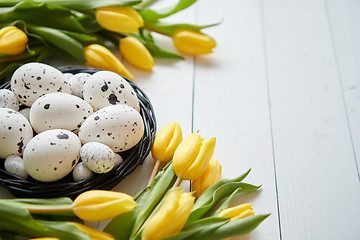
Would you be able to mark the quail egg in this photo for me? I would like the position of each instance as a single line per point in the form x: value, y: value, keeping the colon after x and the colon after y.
x: 82, y: 172
x: 15, y: 132
x: 8, y: 100
x: 97, y: 157
x: 105, y: 88
x: 15, y: 165
x: 32, y: 80
x: 51, y: 155
x: 25, y: 112
x: 77, y: 82
x: 59, y: 110
x: 119, y: 126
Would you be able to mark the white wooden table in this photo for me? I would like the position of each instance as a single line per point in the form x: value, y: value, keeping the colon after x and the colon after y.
x: 281, y: 93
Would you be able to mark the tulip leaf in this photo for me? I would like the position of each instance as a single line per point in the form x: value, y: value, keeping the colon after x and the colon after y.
x: 41, y: 13
x: 120, y: 227
x: 77, y: 4
x: 163, y: 181
x: 218, y: 194
x: 226, y: 203
x: 206, y: 197
x: 169, y: 29
x: 39, y: 201
x: 206, y: 224
x: 232, y: 228
x: 59, y: 40
x: 80, y: 37
x: 152, y: 15
x: 63, y: 230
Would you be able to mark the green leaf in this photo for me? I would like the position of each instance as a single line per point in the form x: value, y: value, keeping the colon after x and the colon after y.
x: 163, y: 181
x: 39, y: 201
x: 120, y: 227
x: 220, y: 193
x: 43, y: 14
x: 152, y: 15
x: 226, y: 203
x: 80, y: 37
x: 232, y: 228
x: 169, y: 29
x: 56, y: 38
x: 63, y: 230
x: 78, y: 4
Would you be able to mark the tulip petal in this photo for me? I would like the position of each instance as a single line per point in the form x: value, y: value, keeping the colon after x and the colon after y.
x: 189, y: 41
x: 93, y: 233
x: 13, y: 41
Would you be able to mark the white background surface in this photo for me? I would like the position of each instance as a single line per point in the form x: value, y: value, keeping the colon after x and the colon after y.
x: 281, y: 93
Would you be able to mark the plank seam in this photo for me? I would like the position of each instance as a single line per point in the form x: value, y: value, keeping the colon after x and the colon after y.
x: 262, y: 17
x: 327, y: 13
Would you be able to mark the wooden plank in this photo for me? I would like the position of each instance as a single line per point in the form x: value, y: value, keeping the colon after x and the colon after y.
x: 344, y: 19
x: 315, y: 163
x: 231, y: 102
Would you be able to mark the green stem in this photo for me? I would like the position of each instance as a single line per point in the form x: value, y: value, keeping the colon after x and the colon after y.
x: 48, y: 209
x: 155, y: 30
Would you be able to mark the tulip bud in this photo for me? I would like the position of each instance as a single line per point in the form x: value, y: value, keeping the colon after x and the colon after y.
x: 193, y: 42
x: 119, y: 19
x: 100, y: 205
x: 166, y: 141
x: 192, y: 156
x: 211, y: 175
x: 94, y: 234
x: 98, y: 56
x: 136, y: 53
x: 13, y: 41
x: 240, y: 211
x: 171, y: 216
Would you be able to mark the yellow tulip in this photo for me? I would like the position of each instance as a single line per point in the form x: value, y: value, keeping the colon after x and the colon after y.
x: 192, y: 156
x: 94, y: 234
x: 240, y: 211
x: 136, y: 53
x: 44, y: 238
x: 211, y: 175
x: 98, y: 56
x: 166, y: 141
x: 100, y: 205
x: 119, y: 19
x: 193, y: 42
x: 13, y: 41
x: 171, y: 216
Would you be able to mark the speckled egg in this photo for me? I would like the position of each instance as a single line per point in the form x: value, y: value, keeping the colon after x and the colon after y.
x: 77, y: 82
x: 81, y: 172
x: 97, y: 157
x: 119, y: 126
x: 25, y: 112
x: 59, y: 110
x: 8, y: 100
x: 15, y: 132
x: 51, y: 155
x: 118, y: 160
x: 33, y: 80
x: 68, y: 75
x: 15, y: 165
x: 105, y: 88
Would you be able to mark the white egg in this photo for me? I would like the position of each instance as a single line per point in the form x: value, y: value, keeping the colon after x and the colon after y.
x: 97, y: 157
x: 15, y: 132
x: 8, y: 100
x: 15, y: 165
x: 25, y: 112
x: 68, y: 75
x: 51, y: 155
x: 119, y: 126
x: 32, y: 80
x: 105, y: 88
x: 59, y: 110
x: 82, y: 172
x: 77, y: 82
x: 118, y: 160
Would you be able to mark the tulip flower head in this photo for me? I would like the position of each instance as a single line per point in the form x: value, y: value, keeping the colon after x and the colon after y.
x: 192, y: 156
x: 211, y: 175
x: 166, y: 141
x: 100, y: 205
x: 13, y: 41
x: 136, y: 53
x: 171, y: 216
x: 238, y: 212
x: 98, y: 56
x: 119, y: 19
x: 94, y: 234
x: 193, y: 42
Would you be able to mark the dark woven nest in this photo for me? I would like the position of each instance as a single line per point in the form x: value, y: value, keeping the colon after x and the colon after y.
x: 66, y: 187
